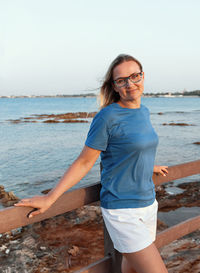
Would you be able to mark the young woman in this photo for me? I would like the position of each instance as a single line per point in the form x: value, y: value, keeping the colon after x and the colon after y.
x: 122, y: 133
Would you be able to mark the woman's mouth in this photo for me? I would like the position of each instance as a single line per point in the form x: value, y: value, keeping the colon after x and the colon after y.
x: 131, y: 90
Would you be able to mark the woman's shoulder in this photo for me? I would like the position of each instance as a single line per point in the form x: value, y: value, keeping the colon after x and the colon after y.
x: 106, y: 113
x: 145, y: 109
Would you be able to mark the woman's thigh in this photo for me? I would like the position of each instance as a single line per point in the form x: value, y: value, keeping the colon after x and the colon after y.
x: 147, y: 260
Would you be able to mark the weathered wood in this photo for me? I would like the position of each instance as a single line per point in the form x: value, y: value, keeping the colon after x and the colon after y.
x: 14, y: 217
x: 175, y: 232
x: 101, y: 266
x: 178, y: 171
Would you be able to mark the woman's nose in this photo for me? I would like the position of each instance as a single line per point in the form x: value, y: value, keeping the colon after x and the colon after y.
x: 129, y: 83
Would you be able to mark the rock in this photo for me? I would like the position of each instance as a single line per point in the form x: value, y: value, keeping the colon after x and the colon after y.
x: 45, y: 191
x: 188, y: 198
x: 28, y: 242
x: 56, y: 118
x: 160, y: 190
x: 178, y: 124
x: 7, y: 251
x: 16, y: 121
x: 7, y: 198
x: 43, y: 248
x: 74, y: 251
x: 161, y: 225
x: 9, y: 203
x: 16, y: 231
x: 74, y: 121
x: 182, y: 256
x: 197, y: 143
x: 168, y: 204
x: 51, y: 121
x: 3, y: 247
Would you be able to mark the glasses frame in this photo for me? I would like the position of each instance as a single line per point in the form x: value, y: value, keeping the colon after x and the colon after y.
x: 128, y: 78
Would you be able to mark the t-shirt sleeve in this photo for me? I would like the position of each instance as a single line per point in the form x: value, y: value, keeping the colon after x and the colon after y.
x: 97, y: 137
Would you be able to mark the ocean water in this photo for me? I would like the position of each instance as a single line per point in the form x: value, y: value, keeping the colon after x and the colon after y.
x: 35, y: 155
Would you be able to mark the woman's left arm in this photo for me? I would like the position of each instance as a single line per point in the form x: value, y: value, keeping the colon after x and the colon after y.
x: 163, y: 170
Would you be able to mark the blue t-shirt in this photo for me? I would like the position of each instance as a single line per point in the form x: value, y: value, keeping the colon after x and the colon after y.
x: 128, y: 143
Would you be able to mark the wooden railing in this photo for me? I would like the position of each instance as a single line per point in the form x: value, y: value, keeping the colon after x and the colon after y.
x: 14, y: 217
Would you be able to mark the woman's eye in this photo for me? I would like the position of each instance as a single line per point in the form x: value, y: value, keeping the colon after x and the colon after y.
x: 134, y: 76
x: 120, y: 81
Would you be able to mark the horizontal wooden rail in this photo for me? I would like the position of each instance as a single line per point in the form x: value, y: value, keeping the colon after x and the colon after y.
x: 101, y: 266
x: 177, y: 231
x: 178, y: 171
x: 14, y: 217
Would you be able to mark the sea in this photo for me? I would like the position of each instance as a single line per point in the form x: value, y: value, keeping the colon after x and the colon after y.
x: 34, y: 156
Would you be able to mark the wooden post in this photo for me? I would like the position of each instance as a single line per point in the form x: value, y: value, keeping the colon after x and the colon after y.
x: 101, y: 266
x: 109, y: 250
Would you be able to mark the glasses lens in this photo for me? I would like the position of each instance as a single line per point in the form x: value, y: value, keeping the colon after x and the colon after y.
x: 136, y: 77
x: 120, y: 82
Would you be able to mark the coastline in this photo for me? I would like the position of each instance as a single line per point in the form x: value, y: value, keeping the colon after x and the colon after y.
x: 93, y: 96
x: 195, y: 93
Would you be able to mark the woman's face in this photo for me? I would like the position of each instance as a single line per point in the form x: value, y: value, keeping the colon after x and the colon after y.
x: 131, y: 91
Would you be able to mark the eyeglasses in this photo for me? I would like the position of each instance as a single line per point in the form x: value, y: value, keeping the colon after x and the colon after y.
x: 134, y: 78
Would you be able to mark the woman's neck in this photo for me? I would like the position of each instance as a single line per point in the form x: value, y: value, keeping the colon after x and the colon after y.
x: 129, y: 104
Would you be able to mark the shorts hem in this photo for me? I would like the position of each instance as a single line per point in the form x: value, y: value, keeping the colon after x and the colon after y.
x: 135, y: 249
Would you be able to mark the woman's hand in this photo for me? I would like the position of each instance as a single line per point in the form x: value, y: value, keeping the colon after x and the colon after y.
x: 160, y: 170
x: 41, y: 203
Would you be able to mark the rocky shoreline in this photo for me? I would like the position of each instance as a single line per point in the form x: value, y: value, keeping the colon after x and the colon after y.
x: 57, y: 118
x: 73, y: 240
x: 74, y: 117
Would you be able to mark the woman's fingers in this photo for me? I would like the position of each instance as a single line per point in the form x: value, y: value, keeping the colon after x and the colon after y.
x: 164, y: 170
x: 163, y: 173
x: 23, y: 204
x: 25, y: 199
x: 34, y: 212
x: 28, y: 202
x: 29, y: 215
x: 39, y: 205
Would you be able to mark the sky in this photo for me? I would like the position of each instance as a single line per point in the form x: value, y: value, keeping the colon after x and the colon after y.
x: 51, y: 47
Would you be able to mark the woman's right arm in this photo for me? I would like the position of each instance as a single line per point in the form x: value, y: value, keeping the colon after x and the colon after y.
x: 79, y: 168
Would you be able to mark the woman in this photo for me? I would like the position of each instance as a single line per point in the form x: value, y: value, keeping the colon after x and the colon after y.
x: 122, y: 133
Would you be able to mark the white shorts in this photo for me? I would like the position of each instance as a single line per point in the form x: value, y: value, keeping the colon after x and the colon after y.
x: 131, y: 229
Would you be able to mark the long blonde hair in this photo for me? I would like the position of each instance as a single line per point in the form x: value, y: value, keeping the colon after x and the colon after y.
x: 107, y: 93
